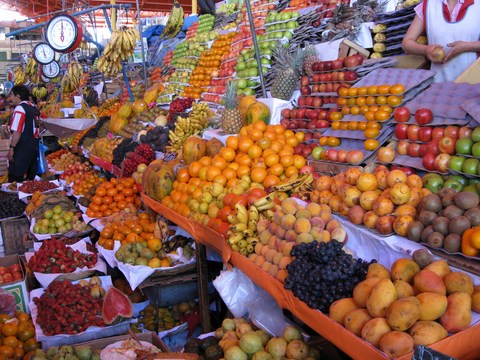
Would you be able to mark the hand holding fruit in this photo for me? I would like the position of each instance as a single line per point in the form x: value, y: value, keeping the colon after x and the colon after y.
x: 435, y: 53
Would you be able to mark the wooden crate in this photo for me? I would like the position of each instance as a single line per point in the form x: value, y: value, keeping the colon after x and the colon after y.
x: 348, y: 48
x: 471, y: 75
x: 13, y: 234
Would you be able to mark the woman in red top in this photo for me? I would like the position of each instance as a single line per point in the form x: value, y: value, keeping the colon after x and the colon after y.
x: 23, y: 152
x: 452, y: 25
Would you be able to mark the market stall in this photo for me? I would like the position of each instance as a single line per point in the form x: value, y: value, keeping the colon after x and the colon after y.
x: 329, y: 184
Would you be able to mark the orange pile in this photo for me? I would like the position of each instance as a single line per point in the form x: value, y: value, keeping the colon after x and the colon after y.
x: 83, y: 182
x: 113, y: 196
x: 17, y: 336
x: 136, y: 229
x: 263, y: 154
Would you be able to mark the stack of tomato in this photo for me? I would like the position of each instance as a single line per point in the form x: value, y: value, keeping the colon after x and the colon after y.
x: 17, y: 336
x: 10, y: 273
x: 114, y: 196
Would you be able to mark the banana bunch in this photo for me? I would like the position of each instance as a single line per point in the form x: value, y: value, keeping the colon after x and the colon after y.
x: 19, y: 76
x: 198, y: 119
x: 174, y: 22
x: 243, y: 229
x: 296, y: 184
x: 119, y: 48
x: 39, y: 92
x: 32, y: 70
x: 73, y: 77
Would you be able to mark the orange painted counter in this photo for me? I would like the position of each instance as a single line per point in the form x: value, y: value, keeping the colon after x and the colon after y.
x: 464, y: 345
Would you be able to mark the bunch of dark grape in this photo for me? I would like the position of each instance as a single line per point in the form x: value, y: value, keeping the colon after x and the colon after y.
x: 321, y: 273
x: 177, y: 106
x: 119, y: 153
x: 10, y: 205
x: 93, y: 132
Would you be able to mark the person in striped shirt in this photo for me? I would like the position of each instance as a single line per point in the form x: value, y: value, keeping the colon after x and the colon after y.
x: 23, y: 152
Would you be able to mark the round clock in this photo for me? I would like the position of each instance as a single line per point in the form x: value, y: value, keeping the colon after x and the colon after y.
x: 51, y: 70
x: 43, y: 53
x: 63, y: 34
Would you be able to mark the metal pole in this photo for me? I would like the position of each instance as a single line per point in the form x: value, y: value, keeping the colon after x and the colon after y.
x: 141, y: 44
x: 255, y: 46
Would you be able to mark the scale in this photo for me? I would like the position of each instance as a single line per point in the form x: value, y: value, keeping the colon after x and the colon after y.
x: 44, y: 78
x: 64, y: 33
x: 43, y: 54
x: 51, y: 70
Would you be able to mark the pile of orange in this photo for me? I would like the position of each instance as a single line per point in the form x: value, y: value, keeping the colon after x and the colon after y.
x: 83, y: 183
x: 136, y: 229
x: 17, y: 336
x: 208, y: 63
x: 260, y: 155
x: 114, y: 196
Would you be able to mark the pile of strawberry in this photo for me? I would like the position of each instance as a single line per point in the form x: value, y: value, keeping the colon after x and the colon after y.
x: 143, y: 154
x: 55, y: 257
x: 66, y: 308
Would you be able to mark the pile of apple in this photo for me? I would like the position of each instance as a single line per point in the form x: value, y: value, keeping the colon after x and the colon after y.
x: 325, y: 11
x: 434, y: 144
x: 384, y: 200
x: 338, y: 64
x: 466, y: 147
x: 10, y: 273
x: 74, y: 171
x: 303, y: 118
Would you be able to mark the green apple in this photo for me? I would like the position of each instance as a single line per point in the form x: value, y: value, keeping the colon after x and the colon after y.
x: 433, y: 182
x: 476, y: 149
x: 316, y: 152
x: 473, y: 181
x: 456, y: 162
x: 242, y: 84
x: 464, y: 146
x: 453, y: 184
x: 476, y: 134
x: 470, y: 166
x: 460, y: 178
x: 471, y: 188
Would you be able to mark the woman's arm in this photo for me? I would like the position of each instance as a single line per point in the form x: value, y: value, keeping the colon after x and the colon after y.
x: 410, y: 45
x: 458, y: 47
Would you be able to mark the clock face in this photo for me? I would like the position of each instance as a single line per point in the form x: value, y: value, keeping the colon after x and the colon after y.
x: 43, y: 53
x: 62, y: 33
x: 51, y: 70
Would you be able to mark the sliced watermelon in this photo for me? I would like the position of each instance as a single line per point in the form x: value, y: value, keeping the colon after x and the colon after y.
x: 116, y: 305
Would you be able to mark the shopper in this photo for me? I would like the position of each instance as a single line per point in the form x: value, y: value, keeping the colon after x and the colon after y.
x: 22, y: 155
x: 451, y: 25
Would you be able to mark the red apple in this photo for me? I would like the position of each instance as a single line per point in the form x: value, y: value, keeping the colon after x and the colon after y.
x: 327, y: 65
x: 337, y: 64
x: 293, y: 113
x: 316, y: 78
x: 322, y: 114
x: 285, y: 113
x: 401, y: 131
x: 341, y: 76
x: 350, y: 75
x: 301, y: 113
x: 301, y: 101
x: 452, y: 132
x: 438, y: 133
x: 402, y: 147
x: 423, y: 116
x: 322, y: 124
x: 305, y: 90
x: 322, y: 88
x: 432, y: 147
x: 413, y: 150
x: 464, y: 132
x: 342, y: 155
x: 428, y: 161
x: 401, y: 114
x: 314, y: 88
x: 441, y: 162
x: 332, y: 155
x: 412, y: 132
x: 425, y: 134
x: 317, y: 102
x: 335, y: 76
x: 352, y: 60
x: 306, y: 169
x: 308, y: 100
x: 423, y: 150
x: 446, y: 145
x: 329, y: 87
x: 305, y: 81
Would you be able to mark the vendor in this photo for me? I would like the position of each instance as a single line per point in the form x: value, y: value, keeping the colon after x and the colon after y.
x: 451, y: 25
x: 23, y: 152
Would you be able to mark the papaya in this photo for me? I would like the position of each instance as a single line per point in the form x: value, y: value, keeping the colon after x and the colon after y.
x: 125, y: 110
x: 193, y: 149
x: 243, y: 105
x: 258, y: 111
x: 151, y: 94
x: 117, y: 123
x: 139, y: 106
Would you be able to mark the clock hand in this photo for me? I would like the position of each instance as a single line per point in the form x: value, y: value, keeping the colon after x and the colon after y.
x: 62, y: 38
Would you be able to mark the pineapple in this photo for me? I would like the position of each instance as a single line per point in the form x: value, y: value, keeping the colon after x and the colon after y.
x: 288, y: 72
x: 232, y: 120
x: 310, y: 58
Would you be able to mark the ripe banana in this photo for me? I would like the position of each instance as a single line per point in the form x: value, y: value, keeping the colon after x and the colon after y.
x: 31, y: 70
x: 72, y: 79
x: 302, y: 182
x: 19, y: 76
x: 174, y: 22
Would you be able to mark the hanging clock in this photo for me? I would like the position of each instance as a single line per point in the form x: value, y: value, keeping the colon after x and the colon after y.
x: 43, y: 53
x: 64, y: 33
x: 51, y: 70
x: 44, y: 78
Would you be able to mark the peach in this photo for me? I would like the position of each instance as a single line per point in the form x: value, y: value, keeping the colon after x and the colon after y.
x: 326, y: 236
x: 317, y: 222
x: 339, y: 234
x: 264, y: 236
x: 273, y: 270
x: 259, y: 260
x: 270, y: 255
x: 304, y: 238
x: 280, y: 232
x: 281, y: 245
x: 288, y: 248
x: 284, y: 262
x: 252, y: 257
x: 317, y: 233
x: 266, y: 266
x: 303, y: 214
x: 264, y: 251
x: 289, y: 206
x: 282, y: 275
x: 302, y: 226
x: 278, y: 256
x: 273, y: 227
x: 333, y: 224
x: 314, y: 209
x: 262, y: 225
x: 273, y: 242
x: 290, y: 235
x: 288, y: 221
x: 258, y: 248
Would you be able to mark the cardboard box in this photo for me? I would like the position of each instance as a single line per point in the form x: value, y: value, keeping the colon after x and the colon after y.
x: 17, y: 288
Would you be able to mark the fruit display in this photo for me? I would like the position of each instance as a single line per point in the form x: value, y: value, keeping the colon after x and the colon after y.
x: 205, y: 23
x: 140, y: 253
x: 58, y: 221
x: 127, y: 145
x: 10, y: 273
x: 10, y: 205
x: 387, y: 313
x: 156, y: 137
x: 178, y: 105
x: 114, y: 196
x: 17, y: 335
x: 61, y: 159
x: 55, y: 257
x: 385, y: 201
x: 129, y: 228
x: 30, y: 186
x: 80, y: 309
x: 143, y: 154
x: 135, y: 296
x: 100, y: 130
x: 444, y: 218
x: 81, y: 184
x: 72, y: 80
x: 289, y: 70
x: 103, y: 148
x: 166, y: 318
x: 83, y: 352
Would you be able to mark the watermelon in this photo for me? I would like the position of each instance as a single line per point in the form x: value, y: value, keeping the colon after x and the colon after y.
x: 116, y: 305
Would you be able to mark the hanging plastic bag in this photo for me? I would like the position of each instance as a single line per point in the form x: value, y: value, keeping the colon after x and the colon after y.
x: 41, y: 159
x: 235, y: 288
x: 7, y: 303
x: 265, y: 313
